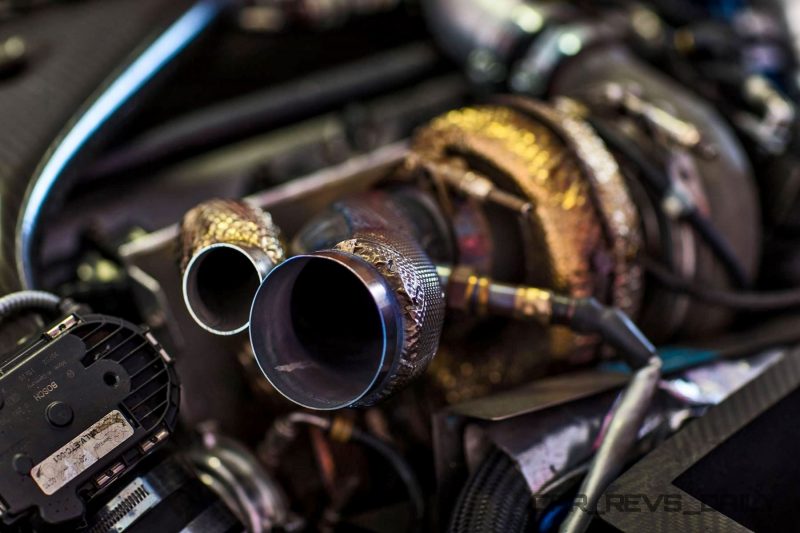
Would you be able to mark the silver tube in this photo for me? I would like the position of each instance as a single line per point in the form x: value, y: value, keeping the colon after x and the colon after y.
x: 355, y: 322
x: 233, y: 473
x: 228, y: 247
x: 486, y: 35
x: 616, y: 445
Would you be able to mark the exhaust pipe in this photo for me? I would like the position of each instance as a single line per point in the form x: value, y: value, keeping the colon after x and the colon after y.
x: 351, y: 324
x: 228, y: 247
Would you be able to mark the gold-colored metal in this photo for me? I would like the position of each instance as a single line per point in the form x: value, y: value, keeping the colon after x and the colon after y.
x: 479, y: 295
x: 581, y: 205
x: 612, y: 198
x: 469, y: 290
x: 544, y: 172
x: 530, y: 302
x: 232, y: 222
x: 582, y: 232
x: 227, y: 249
x: 341, y: 428
x: 482, y: 308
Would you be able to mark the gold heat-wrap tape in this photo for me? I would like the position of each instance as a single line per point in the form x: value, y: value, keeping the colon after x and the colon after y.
x: 233, y: 222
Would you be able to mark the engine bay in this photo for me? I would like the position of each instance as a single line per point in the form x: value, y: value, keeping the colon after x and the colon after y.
x: 399, y: 265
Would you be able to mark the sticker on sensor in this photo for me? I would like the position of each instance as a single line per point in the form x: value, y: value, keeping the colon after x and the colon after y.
x: 75, y: 457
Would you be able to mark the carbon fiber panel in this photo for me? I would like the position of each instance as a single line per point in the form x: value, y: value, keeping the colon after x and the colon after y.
x: 74, y: 48
x: 670, y: 508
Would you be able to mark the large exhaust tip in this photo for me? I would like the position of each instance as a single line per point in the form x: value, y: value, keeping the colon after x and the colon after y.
x: 228, y: 249
x: 326, y: 329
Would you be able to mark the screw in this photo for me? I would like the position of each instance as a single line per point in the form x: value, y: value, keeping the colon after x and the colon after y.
x: 13, y: 56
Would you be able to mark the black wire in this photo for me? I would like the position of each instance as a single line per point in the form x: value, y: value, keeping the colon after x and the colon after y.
x: 653, y: 175
x: 719, y: 245
x: 740, y: 300
x: 401, y: 467
x: 660, y: 182
x: 783, y: 330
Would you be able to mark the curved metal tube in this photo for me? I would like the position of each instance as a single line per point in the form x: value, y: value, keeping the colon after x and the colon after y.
x: 617, y: 442
x: 228, y: 247
x: 357, y: 321
x: 235, y: 475
x: 89, y: 122
x: 488, y: 35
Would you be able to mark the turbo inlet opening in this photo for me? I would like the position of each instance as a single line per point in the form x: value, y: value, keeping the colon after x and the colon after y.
x: 321, y: 328
x: 219, y: 285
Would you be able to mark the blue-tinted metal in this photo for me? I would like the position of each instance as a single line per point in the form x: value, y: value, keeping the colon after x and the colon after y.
x: 726, y: 9
x: 154, y: 58
x: 553, y: 517
x: 674, y: 359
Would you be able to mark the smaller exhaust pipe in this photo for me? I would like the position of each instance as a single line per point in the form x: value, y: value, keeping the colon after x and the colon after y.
x: 352, y: 324
x: 228, y: 248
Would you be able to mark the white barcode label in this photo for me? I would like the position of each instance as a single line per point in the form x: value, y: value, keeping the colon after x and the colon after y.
x: 69, y: 461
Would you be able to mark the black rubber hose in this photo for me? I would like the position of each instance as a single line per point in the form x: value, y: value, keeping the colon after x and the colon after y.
x: 740, y: 300
x: 588, y: 316
x: 496, y: 498
x: 718, y: 245
x: 17, y: 302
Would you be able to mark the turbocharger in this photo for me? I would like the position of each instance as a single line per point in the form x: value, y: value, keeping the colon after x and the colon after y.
x: 522, y: 193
